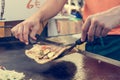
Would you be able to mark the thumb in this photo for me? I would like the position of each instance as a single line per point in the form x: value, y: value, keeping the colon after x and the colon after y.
x: 35, y: 30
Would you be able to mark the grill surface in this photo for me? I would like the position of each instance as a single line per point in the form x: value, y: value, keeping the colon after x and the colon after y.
x: 71, y: 67
x: 12, y: 56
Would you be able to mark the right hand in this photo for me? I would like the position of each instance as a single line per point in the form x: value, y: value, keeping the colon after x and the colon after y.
x: 28, y: 27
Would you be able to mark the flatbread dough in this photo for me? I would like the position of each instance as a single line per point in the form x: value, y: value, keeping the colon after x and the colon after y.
x: 44, y: 53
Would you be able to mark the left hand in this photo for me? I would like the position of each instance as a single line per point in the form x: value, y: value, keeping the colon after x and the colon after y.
x: 99, y: 25
x: 31, y: 26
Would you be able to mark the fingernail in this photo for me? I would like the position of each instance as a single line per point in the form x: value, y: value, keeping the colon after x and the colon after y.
x: 82, y: 40
x: 26, y: 43
x: 34, y: 38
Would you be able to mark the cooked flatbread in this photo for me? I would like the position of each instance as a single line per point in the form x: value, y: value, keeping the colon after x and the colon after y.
x: 44, y: 53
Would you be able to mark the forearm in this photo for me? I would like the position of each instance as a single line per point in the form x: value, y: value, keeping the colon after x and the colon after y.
x: 115, y: 13
x: 50, y: 9
x: 115, y: 10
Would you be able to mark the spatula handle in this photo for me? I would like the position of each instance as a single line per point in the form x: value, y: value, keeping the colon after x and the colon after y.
x: 78, y: 42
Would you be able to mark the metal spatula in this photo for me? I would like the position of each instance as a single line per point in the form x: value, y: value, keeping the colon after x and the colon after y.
x: 39, y: 39
x: 91, y: 55
x: 77, y: 42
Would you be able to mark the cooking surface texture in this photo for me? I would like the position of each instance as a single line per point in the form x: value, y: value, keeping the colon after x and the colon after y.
x: 70, y: 67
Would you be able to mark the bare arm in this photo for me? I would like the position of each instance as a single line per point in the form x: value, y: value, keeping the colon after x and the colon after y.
x: 51, y: 8
x: 100, y: 24
x: 33, y: 24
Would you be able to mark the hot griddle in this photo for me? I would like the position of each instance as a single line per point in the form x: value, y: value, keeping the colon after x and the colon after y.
x: 71, y: 67
x: 12, y: 56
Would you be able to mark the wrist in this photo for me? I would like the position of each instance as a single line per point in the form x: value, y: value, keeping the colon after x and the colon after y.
x: 38, y: 16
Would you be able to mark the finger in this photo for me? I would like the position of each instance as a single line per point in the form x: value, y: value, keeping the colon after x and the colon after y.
x: 105, y: 31
x: 98, y: 30
x: 85, y: 29
x: 25, y: 34
x: 20, y: 33
x: 33, y: 33
x: 35, y: 29
x: 91, y: 31
x: 14, y: 31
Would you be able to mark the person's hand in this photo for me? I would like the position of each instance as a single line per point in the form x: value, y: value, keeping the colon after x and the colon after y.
x: 99, y: 25
x: 28, y: 27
